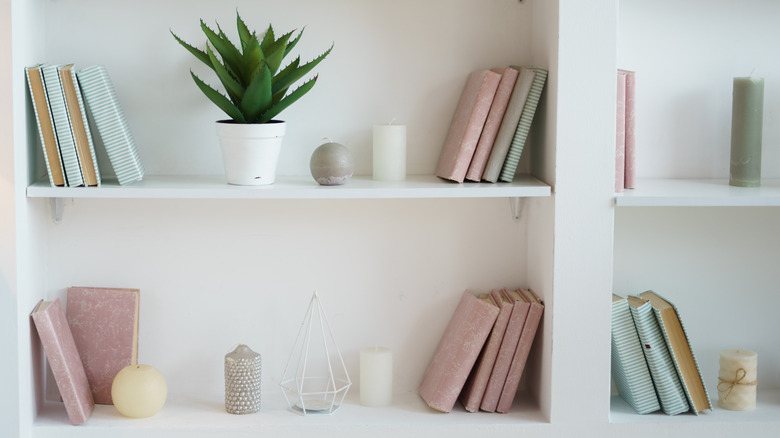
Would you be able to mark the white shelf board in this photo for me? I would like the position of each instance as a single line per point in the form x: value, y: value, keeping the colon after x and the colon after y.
x: 300, y: 187
x: 767, y: 410
x: 196, y: 417
x: 699, y: 193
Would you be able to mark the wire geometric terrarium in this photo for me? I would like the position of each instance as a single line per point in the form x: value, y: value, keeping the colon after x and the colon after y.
x: 315, y: 380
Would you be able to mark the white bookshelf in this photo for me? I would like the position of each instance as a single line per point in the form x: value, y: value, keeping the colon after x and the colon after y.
x: 292, y: 187
x: 218, y: 265
x: 699, y: 193
x: 684, y: 231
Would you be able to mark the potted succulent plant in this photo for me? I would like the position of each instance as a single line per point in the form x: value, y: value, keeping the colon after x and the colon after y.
x: 257, y: 89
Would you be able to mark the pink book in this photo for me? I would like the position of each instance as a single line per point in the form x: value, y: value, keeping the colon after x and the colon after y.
x: 620, y: 133
x: 457, y: 352
x: 63, y: 359
x: 492, y: 123
x: 104, y: 323
x: 471, y: 396
x: 507, y: 352
x: 630, y: 166
x: 521, y: 353
x: 467, y: 123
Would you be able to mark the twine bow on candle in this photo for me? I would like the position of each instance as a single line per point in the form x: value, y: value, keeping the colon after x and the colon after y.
x: 727, y: 386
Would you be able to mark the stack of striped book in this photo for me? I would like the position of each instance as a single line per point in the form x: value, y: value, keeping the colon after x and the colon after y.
x: 61, y: 96
x: 491, y: 124
x: 653, y: 364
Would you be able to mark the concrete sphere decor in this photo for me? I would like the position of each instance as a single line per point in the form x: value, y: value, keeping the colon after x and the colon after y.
x: 243, y: 369
x: 332, y: 164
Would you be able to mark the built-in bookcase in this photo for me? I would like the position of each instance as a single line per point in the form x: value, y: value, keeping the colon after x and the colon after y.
x: 684, y: 232
x: 218, y: 266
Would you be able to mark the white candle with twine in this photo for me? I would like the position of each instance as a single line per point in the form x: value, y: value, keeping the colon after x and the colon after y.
x: 737, y: 380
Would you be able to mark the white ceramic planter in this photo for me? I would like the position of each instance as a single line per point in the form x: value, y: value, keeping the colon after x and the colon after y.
x: 250, y: 151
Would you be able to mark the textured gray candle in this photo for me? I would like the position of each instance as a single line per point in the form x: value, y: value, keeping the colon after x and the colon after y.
x: 747, y: 113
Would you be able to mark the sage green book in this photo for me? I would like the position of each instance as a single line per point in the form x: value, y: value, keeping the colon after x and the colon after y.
x: 629, y: 367
x: 523, y: 127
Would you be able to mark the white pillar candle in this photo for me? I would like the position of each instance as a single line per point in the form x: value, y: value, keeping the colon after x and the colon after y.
x: 376, y: 376
x: 737, y: 380
x: 390, y: 152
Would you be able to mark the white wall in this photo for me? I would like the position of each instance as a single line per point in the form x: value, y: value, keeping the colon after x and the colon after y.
x: 719, y: 266
x: 405, y: 60
x: 686, y: 55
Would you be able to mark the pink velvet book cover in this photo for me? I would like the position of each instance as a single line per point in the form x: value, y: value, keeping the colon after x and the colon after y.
x: 457, y: 352
x: 471, y: 396
x: 620, y: 133
x: 521, y: 353
x: 467, y: 123
x: 104, y: 323
x: 63, y: 359
x: 492, y: 123
x: 507, y: 352
x: 630, y: 166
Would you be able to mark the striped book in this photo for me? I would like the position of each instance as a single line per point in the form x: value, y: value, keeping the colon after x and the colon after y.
x: 629, y: 367
x: 82, y: 135
x: 42, y: 111
x: 59, y: 113
x: 506, y: 131
x: 111, y: 124
x: 659, y: 361
x: 683, y: 358
x: 521, y: 134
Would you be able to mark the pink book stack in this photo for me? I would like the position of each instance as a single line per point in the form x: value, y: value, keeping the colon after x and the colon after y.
x: 457, y: 352
x: 63, y: 358
x: 104, y: 323
x: 522, y: 351
x: 506, y: 354
x: 467, y: 124
x: 473, y: 392
x: 498, y: 108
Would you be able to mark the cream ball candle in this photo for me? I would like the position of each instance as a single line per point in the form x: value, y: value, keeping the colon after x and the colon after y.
x: 139, y: 391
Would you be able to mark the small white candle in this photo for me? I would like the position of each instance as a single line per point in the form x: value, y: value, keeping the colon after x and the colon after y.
x: 376, y: 376
x: 737, y: 380
x: 390, y: 152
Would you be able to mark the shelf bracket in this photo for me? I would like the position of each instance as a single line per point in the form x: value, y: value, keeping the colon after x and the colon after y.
x: 56, y: 209
x: 516, y: 204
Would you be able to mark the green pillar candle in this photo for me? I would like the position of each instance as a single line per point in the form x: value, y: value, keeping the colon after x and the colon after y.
x: 747, y: 113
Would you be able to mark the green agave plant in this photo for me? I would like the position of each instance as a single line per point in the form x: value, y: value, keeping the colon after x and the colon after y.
x: 257, y: 90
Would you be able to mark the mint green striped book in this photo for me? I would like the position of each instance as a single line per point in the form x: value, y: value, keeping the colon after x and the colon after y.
x: 681, y: 351
x: 659, y: 360
x: 111, y: 123
x: 62, y: 128
x: 629, y: 367
x: 521, y: 134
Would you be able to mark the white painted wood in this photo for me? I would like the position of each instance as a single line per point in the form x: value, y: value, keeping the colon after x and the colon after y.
x: 303, y: 187
x: 699, y: 193
x: 390, y: 260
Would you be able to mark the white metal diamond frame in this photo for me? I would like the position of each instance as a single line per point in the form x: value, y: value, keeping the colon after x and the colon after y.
x: 315, y: 379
